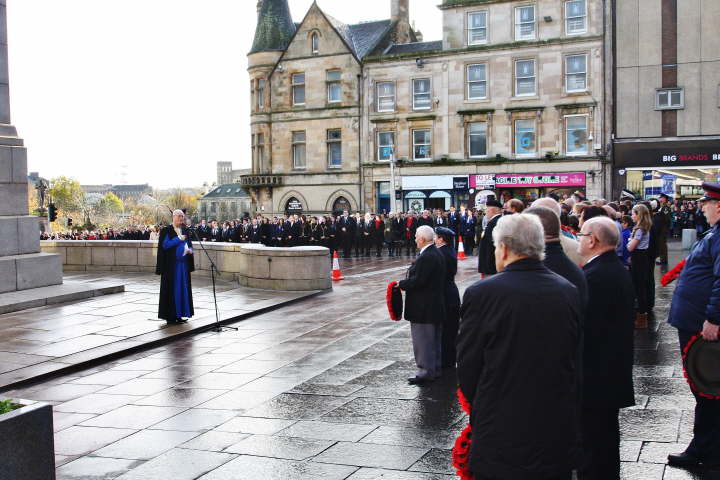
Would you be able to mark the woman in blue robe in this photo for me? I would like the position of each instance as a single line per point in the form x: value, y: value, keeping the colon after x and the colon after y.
x: 174, y: 265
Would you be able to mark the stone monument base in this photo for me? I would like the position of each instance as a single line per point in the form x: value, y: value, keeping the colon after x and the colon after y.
x: 35, y: 270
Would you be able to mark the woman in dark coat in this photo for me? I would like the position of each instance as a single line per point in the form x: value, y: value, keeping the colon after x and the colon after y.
x: 378, y: 234
x: 444, y: 243
x: 331, y: 234
x: 174, y: 265
x: 266, y: 232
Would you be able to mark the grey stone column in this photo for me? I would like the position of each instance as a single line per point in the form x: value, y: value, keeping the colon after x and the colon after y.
x: 22, y: 266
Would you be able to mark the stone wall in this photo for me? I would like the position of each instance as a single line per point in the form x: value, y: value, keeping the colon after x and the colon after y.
x: 251, y: 265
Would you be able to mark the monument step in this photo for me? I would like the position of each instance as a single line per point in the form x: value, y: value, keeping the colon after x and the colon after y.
x: 24, y: 272
x: 50, y: 295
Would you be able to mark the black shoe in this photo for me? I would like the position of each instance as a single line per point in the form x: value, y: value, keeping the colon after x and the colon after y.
x: 683, y: 459
x: 419, y: 380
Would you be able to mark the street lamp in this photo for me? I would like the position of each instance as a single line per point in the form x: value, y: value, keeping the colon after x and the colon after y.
x: 394, y: 201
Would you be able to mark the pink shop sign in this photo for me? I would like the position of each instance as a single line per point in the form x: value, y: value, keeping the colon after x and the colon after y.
x: 575, y: 179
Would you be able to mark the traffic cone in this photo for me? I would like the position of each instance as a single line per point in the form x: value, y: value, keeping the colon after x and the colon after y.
x: 336, y: 275
x: 461, y: 250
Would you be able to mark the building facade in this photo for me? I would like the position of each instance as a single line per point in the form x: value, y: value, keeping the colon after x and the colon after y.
x: 666, y: 96
x: 226, y: 173
x: 365, y: 117
x: 224, y: 203
x: 510, y: 102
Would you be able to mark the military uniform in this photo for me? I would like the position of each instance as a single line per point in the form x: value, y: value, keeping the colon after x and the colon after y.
x: 695, y: 300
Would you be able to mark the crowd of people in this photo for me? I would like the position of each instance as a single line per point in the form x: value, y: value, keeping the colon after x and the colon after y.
x: 544, y: 341
x: 139, y: 232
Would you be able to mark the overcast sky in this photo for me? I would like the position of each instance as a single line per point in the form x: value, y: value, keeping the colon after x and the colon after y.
x: 149, y: 91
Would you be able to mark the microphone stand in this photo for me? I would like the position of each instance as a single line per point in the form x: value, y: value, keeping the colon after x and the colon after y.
x: 216, y: 327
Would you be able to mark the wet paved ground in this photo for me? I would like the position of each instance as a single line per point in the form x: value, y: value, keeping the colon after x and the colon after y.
x: 41, y: 340
x: 315, y: 390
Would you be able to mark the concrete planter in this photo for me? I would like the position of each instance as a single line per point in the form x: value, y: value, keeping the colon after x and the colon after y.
x: 27, y: 443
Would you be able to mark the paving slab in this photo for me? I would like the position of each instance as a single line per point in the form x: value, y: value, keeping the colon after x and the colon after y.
x: 94, y: 468
x: 178, y: 464
x: 69, y: 291
x: 278, y: 469
x: 371, y: 455
x: 66, y: 327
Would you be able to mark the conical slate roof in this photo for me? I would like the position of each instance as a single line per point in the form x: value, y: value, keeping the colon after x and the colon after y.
x: 275, y: 27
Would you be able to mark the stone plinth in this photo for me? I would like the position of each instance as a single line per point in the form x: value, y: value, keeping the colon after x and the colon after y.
x: 297, y: 268
x: 251, y: 265
x: 28, y: 434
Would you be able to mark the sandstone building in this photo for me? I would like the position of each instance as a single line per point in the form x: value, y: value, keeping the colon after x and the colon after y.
x: 666, y: 96
x: 509, y: 102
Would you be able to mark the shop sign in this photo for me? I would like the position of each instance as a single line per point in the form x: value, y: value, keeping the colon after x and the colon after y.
x: 430, y: 182
x: 668, y: 186
x: 294, y: 205
x: 460, y: 183
x: 668, y: 154
x: 483, y: 182
x: 576, y: 179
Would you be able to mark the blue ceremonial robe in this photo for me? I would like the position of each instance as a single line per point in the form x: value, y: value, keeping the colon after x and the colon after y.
x: 180, y: 285
x: 174, y: 269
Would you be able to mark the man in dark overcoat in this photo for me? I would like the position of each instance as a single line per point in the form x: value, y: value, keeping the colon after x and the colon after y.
x: 517, y: 362
x: 466, y: 230
x: 444, y: 242
x: 555, y: 258
x: 174, y: 265
x: 346, y: 227
x: 486, y: 249
x: 608, y: 329
x: 425, y: 306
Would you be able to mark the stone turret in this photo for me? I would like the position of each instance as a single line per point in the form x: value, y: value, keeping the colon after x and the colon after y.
x: 275, y: 27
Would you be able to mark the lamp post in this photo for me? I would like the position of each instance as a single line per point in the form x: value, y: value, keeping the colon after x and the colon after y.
x: 394, y: 200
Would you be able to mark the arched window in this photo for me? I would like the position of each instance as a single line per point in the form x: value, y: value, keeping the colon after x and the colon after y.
x: 340, y: 205
x: 293, y: 207
x: 315, y: 42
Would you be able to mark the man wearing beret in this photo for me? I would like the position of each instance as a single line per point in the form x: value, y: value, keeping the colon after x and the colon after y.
x: 696, y: 307
x: 444, y: 241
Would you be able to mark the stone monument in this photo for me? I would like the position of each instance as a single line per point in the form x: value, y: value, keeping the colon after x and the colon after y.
x: 22, y: 266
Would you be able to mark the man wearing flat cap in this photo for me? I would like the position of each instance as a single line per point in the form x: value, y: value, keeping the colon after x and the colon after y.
x: 696, y: 307
x: 486, y: 249
x: 444, y: 241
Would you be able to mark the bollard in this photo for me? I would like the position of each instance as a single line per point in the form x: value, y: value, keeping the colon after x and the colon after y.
x: 689, y: 237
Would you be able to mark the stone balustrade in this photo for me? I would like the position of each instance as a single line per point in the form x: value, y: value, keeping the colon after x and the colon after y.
x: 251, y: 265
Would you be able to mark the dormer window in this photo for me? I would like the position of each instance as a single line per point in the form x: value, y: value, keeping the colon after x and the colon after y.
x: 315, y: 43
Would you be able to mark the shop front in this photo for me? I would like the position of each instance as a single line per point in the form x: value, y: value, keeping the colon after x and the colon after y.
x: 427, y: 192
x: 526, y: 186
x: 677, y: 169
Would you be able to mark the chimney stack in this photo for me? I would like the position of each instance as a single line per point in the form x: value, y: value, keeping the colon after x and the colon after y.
x: 400, y: 10
x: 259, y: 6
